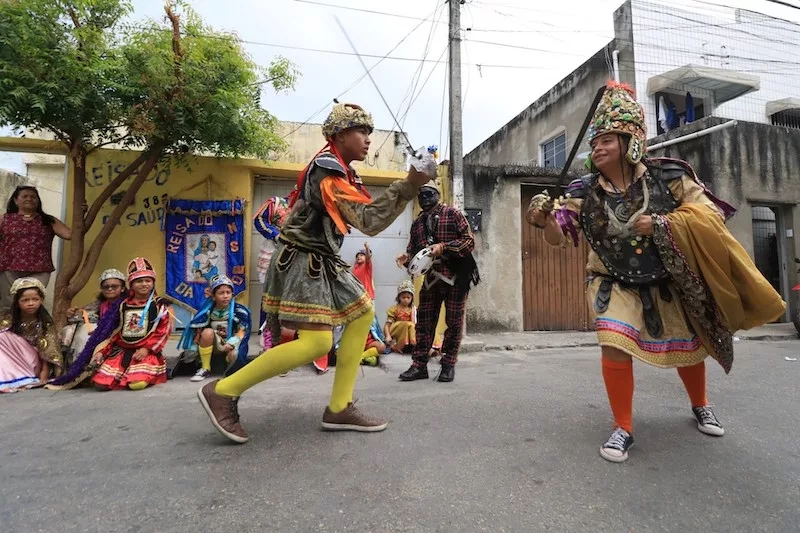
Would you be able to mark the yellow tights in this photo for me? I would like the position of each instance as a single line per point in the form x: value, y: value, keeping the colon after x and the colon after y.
x: 205, y: 356
x: 309, y: 346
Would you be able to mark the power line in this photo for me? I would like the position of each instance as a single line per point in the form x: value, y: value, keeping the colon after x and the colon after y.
x: 360, y: 78
x: 787, y: 4
x: 371, y: 11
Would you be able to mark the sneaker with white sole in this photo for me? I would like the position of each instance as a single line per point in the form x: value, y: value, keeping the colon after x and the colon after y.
x: 201, y: 375
x: 707, y: 422
x: 616, y: 447
x: 351, y: 419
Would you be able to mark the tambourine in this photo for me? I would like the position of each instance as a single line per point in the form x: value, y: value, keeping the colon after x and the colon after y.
x: 421, y: 263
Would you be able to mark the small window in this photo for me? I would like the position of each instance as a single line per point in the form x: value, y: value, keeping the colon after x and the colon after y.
x: 788, y: 119
x: 554, y: 152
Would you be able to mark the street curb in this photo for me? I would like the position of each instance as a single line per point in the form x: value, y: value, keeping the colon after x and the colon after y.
x: 479, y: 346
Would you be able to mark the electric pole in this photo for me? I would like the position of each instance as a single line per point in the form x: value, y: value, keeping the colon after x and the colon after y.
x: 456, y: 147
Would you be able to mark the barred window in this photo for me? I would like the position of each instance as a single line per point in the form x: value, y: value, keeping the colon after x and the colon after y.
x: 554, y: 151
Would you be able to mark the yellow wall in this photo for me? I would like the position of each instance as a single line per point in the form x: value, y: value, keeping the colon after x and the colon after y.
x: 139, y: 232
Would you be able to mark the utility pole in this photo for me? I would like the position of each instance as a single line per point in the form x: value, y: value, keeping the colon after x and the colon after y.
x: 456, y: 146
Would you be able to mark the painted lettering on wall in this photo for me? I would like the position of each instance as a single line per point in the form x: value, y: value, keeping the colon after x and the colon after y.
x: 153, y: 212
x: 103, y: 175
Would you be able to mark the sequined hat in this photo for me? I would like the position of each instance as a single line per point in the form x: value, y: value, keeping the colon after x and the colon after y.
x: 140, y: 268
x: 20, y: 284
x: 619, y: 112
x: 405, y: 286
x: 112, y: 273
x: 218, y: 281
x: 345, y: 116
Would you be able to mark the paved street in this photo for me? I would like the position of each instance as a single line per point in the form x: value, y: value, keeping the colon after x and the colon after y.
x: 511, y: 445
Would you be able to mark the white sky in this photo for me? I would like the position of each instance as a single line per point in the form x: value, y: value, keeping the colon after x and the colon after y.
x: 565, y: 34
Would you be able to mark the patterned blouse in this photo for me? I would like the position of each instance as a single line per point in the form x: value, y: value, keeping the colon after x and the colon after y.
x: 26, y: 244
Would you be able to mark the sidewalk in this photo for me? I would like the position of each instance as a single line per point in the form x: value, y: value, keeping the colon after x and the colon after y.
x: 536, y: 340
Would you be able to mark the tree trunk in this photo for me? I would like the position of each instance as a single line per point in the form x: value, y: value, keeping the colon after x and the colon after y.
x: 62, y: 298
x: 93, y: 254
x: 78, y: 266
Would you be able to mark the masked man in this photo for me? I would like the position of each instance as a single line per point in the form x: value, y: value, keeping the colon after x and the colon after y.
x: 446, y: 232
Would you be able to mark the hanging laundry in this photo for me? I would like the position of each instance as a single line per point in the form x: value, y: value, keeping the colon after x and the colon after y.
x: 662, y: 114
x: 689, y: 108
x: 672, y: 116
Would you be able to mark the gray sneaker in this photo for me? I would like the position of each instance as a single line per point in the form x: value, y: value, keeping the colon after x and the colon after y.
x: 351, y: 419
x: 223, y: 412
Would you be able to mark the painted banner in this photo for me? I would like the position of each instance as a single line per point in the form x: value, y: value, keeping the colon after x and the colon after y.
x: 204, y: 238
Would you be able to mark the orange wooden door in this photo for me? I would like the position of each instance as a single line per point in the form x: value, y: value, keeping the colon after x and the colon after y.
x: 553, y: 279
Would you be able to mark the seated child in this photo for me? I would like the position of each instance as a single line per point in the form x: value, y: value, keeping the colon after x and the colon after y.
x: 400, y: 327
x: 132, y: 357
x: 220, y: 328
x: 374, y: 347
x: 82, y: 321
x: 29, y: 348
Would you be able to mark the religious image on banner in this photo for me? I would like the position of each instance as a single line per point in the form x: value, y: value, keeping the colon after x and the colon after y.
x: 203, y: 257
x: 204, y: 238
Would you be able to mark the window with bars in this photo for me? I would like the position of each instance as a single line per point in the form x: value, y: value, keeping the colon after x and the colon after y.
x: 554, y: 151
x: 788, y: 119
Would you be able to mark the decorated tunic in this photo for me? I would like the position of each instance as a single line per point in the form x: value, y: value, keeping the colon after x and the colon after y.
x: 136, y: 330
x: 307, y: 281
x: 643, y: 297
x: 233, y: 330
x: 44, y: 342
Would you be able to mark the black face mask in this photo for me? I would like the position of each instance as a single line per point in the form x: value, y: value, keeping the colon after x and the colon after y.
x: 428, y: 198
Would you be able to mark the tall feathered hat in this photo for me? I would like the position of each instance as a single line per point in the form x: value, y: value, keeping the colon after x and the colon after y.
x: 345, y: 116
x: 20, y: 284
x: 140, y: 267
x: 405, y: 286
x: 619, y: 112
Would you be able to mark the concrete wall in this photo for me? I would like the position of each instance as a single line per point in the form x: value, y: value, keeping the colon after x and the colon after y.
x: 49, y: 182
x: 667, y: 37
x: 562, y: 109
x: 495, y: 304
x: 748, y: 164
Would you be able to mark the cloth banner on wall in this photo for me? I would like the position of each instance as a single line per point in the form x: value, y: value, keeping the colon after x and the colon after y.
x: 203, y: 238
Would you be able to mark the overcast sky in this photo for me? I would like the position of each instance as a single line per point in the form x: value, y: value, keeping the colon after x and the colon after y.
x: 562, y: 35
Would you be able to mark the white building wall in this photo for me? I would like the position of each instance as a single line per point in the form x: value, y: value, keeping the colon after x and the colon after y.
x: 670, y: 36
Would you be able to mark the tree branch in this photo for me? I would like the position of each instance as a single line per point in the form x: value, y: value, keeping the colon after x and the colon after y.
x: 106, y: 193
x: 111, y: 141
x: 74, y: 17
x: 79, y: 280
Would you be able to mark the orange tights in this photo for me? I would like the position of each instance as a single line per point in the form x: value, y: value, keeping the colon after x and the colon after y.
x: 618, y: 377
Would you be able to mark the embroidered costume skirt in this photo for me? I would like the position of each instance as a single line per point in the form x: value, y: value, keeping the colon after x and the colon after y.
x: 307, y: 287
x: 120, y: 369
x: 19, y: 363
x: 622, y: 326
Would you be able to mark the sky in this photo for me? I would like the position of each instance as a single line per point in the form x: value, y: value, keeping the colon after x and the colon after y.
x: 543, y: 41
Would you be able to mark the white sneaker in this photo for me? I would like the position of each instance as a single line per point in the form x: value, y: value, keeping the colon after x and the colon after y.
x: 616, y: 447
x: 707, y: 422
x: 201, y: 375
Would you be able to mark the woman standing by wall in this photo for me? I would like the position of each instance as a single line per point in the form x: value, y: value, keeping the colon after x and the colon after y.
x: 26, y: 241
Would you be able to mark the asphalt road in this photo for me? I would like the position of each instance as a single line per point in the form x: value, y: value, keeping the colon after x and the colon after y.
x: 511, y: 445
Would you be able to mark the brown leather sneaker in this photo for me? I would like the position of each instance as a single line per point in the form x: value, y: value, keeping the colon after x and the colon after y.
x: 223, y: 412
x: 351, y: 419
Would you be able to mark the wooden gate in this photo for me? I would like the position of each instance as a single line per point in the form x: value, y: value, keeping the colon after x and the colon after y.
x: 553, y: 279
